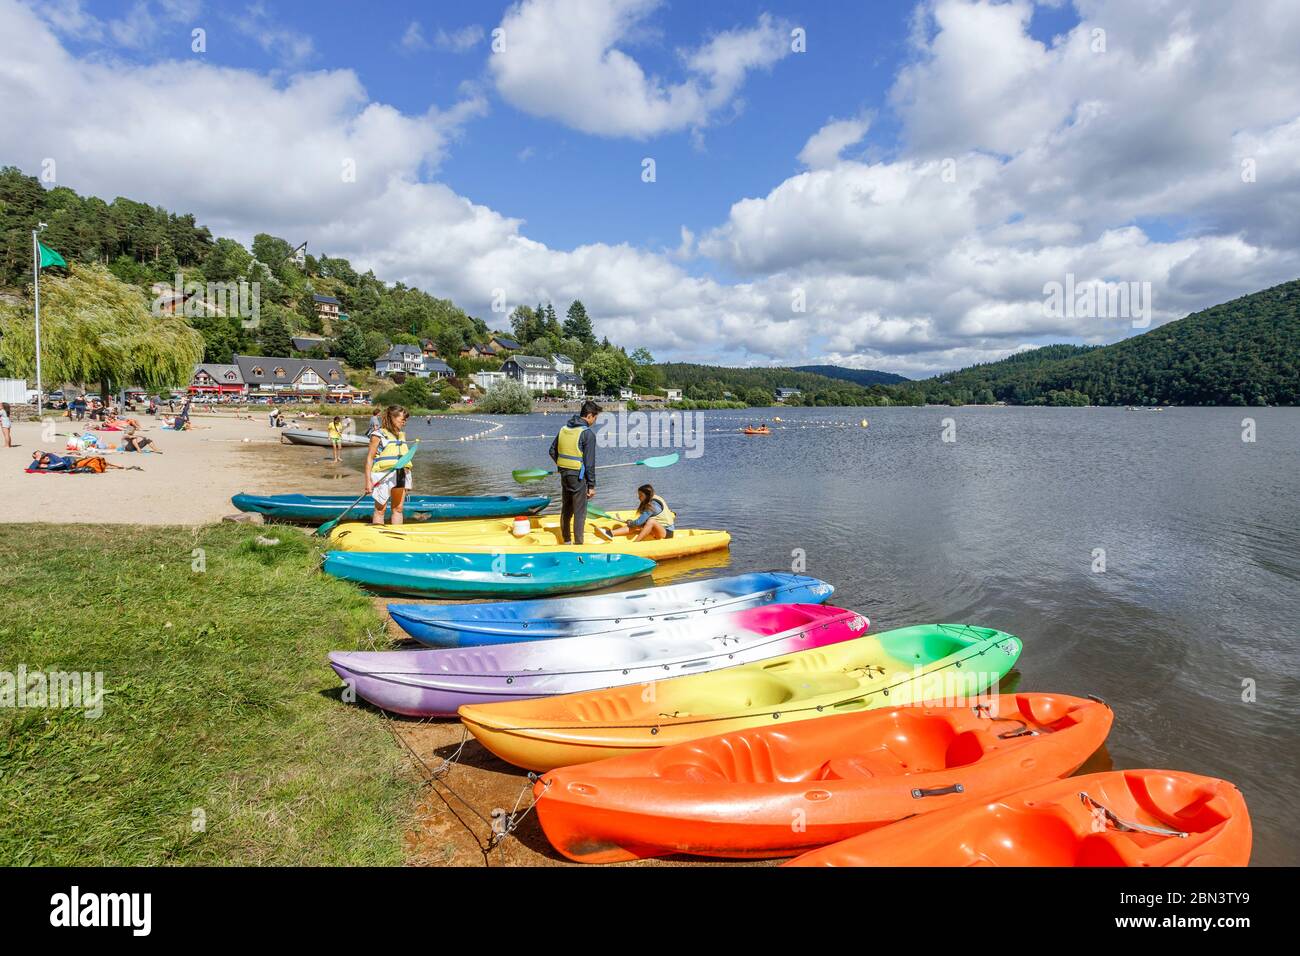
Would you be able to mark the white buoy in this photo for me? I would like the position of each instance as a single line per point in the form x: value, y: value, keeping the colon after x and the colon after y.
x: 864, y: 423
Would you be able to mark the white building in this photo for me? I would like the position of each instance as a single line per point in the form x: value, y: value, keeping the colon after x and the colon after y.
x: 626, y: 394
x: 674, y: 394
x: 407, y: 359
x: 563, y: 364
x: 485, y: 380
x: 533, y: 372
x: 571, y: 385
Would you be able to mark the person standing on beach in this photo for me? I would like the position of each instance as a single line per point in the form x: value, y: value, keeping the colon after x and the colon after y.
x: 574, y: 454
x: 6, y: 425
x: 336, y: 438
x: 384, y: 482
x: 376, y: 423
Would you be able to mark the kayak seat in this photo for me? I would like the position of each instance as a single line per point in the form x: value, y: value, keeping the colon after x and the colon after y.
x: 873, y: 763
x: 1007, y: 836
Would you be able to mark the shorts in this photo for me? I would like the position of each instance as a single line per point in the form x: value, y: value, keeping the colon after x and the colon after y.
x: 401, y: 478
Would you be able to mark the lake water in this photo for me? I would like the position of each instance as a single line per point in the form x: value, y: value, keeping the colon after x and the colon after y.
x: 1198, y: 602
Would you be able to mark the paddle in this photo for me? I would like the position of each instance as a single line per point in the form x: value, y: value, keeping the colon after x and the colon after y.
x: 523, y: 475
x: 402, y: 462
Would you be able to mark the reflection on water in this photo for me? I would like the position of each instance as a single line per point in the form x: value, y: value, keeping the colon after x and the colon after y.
x: 1008, y: 526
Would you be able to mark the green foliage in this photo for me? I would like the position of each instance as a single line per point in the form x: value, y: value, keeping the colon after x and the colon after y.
x: 1246, y: 351
x: 507, y: 398
x: 97, y: 329
x: 351, y: 346
x: 757, y: 386
x: 273, y: 332
x: 606, y: 371
x: 577, y: 324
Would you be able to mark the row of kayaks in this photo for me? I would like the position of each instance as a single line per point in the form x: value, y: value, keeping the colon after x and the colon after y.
x: 742, y: 718
x: 478, y: 546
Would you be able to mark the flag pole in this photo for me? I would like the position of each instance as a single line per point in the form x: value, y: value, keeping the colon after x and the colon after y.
x: 36, y: 286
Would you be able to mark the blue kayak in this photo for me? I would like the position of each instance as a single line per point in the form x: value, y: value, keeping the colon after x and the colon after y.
x: 418, y: 507
x: 470, y: 625
x: 447, y: 574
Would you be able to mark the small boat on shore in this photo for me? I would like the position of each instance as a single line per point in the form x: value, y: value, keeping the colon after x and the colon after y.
x: 310, y: 436
x: 909, y: 665
x: 1138, y: 818
x: 505, y: 622
x: 497, y: 536
x: 433, y: 574
x: 320, y: 508
x: 427, y: 683
x: 734, y: 795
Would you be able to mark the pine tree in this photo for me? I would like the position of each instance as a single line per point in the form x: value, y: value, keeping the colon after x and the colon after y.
x: 577, y: 325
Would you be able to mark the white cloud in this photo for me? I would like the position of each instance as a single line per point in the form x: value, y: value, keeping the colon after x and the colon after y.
x: 561, y: 60
x: 933, y: 258
x: 291, y: 45
x: 825, y: 146
x: 459, y: 41
x: 413, y: 40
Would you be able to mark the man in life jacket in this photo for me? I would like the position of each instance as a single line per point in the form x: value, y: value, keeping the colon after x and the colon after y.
x: 574, y: 453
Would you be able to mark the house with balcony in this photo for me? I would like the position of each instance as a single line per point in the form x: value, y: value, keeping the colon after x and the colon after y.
x: 282, y: 377
x: 222, y: 382
x: 563, y: 364
x: 327, y: 307
x: 532, y: 371
x: 401, y: 359
x: 570, y: 384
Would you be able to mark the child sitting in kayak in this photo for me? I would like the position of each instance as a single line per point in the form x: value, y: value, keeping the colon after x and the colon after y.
x: 647, y: 523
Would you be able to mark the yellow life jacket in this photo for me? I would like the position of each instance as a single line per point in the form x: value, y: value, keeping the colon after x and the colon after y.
x: 391, y: 449
x: 568, y: 451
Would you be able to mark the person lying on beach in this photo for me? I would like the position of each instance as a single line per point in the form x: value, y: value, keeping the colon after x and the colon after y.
x: 136, y: 442
x: 48, y: 461
x: 647, y: 523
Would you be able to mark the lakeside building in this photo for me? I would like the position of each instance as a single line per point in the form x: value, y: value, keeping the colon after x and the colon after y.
x: 485, y: 380
x: 570, y: 384
x: 404, y: 359
x: 783, y: 393
x: 674, y: 394
x: 532, y: 371
x: 272, y: 376
x: 563, y: 364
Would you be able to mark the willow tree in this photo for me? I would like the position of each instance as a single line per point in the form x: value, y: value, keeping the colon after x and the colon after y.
x: 98, y: 329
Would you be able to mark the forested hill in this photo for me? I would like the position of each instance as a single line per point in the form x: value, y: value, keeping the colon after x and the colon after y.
x: 755, y: 386
x: 858, y: 376
x: 1243, y: 352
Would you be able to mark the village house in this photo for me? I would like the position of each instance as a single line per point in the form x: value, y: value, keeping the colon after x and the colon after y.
x: 534, y: 372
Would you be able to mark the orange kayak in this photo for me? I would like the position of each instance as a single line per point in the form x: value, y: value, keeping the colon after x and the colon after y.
x: 758, y: 431
x: 774, y: 791
x: 1123, y: 818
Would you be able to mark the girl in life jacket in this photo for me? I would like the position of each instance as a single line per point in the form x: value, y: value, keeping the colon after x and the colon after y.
x: 384, y: 482
x: 651, y: 521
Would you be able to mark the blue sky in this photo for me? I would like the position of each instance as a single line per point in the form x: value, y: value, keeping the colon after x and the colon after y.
x: 916, y: 175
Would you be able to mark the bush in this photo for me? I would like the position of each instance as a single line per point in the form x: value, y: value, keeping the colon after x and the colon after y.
x: 507, y: 398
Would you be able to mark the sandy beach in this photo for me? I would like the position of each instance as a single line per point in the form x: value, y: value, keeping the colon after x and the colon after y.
x: 190, y: 483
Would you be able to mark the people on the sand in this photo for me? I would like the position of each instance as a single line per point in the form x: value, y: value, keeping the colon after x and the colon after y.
x: 574, y: 454
x: 336, y: 437
x: 133, y: 441
x: 384, y: 481
x: 5, y: 425
x: 376, y: 423
x: 650, y: 521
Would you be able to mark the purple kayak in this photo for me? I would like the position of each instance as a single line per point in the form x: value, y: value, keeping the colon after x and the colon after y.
x: 429, y: 683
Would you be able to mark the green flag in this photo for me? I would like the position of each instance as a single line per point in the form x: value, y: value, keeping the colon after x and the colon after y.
x: 49, y: 257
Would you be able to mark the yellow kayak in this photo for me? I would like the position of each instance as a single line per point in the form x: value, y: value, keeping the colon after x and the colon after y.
x: 953, y: 663
x: 496, y: 535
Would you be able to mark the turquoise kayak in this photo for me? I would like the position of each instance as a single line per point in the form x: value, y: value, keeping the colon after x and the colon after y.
x: 321, y: 508
x: 448, y: 574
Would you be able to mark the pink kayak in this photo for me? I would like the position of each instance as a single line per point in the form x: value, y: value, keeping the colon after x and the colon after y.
x: 426, y: 683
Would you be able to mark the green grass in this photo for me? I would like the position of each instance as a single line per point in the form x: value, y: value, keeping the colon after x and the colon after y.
x: 218, y: 699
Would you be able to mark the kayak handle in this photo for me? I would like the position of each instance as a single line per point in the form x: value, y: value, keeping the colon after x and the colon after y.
x: 920, y: 792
